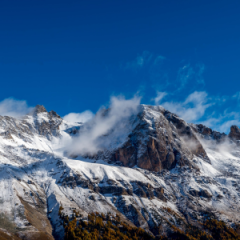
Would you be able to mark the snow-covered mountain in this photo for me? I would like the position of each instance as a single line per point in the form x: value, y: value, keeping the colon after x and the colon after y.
x: 152, y: 168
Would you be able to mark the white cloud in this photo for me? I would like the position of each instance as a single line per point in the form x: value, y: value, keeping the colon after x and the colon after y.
x: 237, y: 96
x: 14, y: 108
x: 212, y: 121
x: 158, y: 59
x: 196, y: 105
x: 106, y: 121
x: 146, y: 58
x: 185, y: 73
x: 188, y: 73
x: 139, y: 61
x: 192, y: 109
x: 159, y: 97
x: 225, y: 127
x: 199, y: 73
x: 79, y: 117
x: 222, y: 122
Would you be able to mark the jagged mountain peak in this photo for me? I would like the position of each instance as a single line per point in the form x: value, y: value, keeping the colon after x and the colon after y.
x: 54, y: 114
x: 39, y: 109
x: 234, y: 133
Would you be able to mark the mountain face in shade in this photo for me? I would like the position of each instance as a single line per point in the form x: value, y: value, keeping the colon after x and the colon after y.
x: 153, y: 169
x: 234, y: 133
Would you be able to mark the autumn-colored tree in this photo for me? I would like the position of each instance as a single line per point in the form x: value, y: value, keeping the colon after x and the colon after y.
x: 97, y: 228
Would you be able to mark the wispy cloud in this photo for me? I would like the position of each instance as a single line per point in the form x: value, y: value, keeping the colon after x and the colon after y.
x: 200, y: 68
x: 108, y: 121
x: 79, y: 117
x: 189, y: 74
x: 14, y: 108
x: 199, y: 107
x: 158, y: 59
x: 185, y: 73
x: 223, y: 121
x: 159, y: 97
x: 191, y: 109
x: 237, y: 96
x: 144, y: 59
x: 224, y: 127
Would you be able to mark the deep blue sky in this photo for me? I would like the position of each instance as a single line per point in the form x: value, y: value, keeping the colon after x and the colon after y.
x: 73, y: 55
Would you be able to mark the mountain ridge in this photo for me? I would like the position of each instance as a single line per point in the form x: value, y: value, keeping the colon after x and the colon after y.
x: 160, y: 162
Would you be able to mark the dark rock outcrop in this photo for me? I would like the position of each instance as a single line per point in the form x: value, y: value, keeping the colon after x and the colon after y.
x: 115, y: 190
x: 159, y: 193
x: 234, y: 133
x: 202, y: 193
x: 39, y: 109
x: 6, y: 135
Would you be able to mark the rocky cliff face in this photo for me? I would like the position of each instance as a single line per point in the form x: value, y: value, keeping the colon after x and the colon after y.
x: 161, y: 171
x: 160, y: 140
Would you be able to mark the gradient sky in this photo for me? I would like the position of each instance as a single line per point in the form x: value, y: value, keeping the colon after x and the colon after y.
x: 72, y: 56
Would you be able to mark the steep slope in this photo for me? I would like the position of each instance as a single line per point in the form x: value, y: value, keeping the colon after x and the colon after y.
x: 154, y: 139
x: 158, y: 171
x: 160, y: 141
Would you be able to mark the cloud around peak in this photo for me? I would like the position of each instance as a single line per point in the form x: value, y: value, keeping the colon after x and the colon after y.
x: 14, y: 108
x: 111, y: 120
x: 79, y: 117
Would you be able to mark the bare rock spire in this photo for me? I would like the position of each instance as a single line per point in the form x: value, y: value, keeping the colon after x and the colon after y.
x: 234, y: 133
